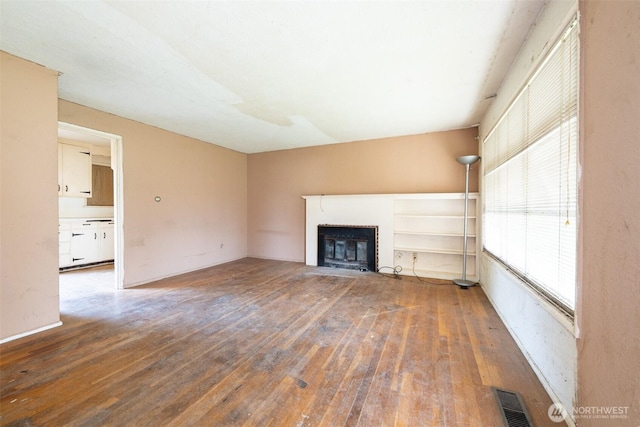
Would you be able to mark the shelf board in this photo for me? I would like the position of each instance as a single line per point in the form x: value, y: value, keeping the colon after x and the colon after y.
x: 434, y: 251
x: 432, y: 233
x: 437, y: 274
x: 434, y: 196
x: 432, y: 216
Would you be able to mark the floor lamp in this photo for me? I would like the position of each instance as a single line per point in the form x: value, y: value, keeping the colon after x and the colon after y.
x: 466, y: 161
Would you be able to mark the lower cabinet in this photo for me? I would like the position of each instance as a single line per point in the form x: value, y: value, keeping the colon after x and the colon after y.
x: 85, y: 246
x: 107, y: 242
x: 64, y: 244
x: 85, y: 242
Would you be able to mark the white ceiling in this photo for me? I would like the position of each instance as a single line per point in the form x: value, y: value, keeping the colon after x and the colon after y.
x: 258, y: 76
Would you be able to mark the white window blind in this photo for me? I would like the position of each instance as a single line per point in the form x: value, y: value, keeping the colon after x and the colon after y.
x: 530, y: 178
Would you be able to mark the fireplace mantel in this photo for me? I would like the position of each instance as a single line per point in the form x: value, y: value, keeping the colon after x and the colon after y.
x: 363, y: 210
x: 422, y: 233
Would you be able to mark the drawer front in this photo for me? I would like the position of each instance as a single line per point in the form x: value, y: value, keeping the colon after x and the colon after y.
x: 64, y: 248
x: 64, y: 260
x: 64, y: 236
x: 84, y: 226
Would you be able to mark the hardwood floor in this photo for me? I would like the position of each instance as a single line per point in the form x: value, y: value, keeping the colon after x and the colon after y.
x: 267, y: 343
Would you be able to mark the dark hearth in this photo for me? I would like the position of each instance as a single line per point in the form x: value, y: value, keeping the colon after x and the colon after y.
x: 348, y: 246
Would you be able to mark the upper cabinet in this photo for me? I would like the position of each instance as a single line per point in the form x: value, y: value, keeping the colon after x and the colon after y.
x: 102, y: 186
x: 74, y: 171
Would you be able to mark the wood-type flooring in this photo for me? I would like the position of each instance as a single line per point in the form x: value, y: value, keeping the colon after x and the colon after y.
x: 266, y: 343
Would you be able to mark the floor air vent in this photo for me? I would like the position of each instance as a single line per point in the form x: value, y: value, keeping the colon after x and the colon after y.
x: 513, y: 411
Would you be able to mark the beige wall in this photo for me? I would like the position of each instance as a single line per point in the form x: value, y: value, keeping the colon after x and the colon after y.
x: 203, y: 189
x: 28, y: 200
x: 409, y: 164
x: 608, y: 309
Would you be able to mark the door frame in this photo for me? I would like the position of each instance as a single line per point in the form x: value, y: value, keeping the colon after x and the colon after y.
x: 118, y: 208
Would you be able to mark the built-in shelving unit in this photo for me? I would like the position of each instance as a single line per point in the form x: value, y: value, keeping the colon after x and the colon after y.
x: 430, y: 228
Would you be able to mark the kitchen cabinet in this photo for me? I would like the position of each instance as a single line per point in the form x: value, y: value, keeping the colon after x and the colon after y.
x: 64, y: 244
x: 107, y: 243
x: 74, y: 170
x: 102, y: 186
x: 85, y: 246
x: 85, y: 242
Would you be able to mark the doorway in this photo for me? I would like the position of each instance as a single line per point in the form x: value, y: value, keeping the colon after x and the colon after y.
x: 109, y: 153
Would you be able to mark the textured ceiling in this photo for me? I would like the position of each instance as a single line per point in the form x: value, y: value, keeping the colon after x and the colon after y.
x: 262, y: 76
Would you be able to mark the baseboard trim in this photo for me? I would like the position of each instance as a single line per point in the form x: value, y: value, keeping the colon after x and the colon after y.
x: 35, y: 331
x: 178, y: 273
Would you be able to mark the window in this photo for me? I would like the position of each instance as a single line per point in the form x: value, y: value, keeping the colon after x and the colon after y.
x: 530, y: 173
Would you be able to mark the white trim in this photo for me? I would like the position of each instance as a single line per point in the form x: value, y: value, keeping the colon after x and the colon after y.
x: 166, y: 276
x: 118, y: 214
x: 118, y: 209
x: 35, y: 331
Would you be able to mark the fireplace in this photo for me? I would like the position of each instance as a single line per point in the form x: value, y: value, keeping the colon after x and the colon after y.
x: 351, y: 247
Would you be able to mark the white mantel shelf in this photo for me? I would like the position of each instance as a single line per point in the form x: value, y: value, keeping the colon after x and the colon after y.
x: 429, y: 225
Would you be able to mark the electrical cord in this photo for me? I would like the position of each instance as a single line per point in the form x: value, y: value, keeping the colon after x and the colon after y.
x: 396, y: 270
x: 423, y: 280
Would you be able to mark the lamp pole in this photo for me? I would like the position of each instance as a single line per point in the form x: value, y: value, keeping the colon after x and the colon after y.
x: 467, y: 161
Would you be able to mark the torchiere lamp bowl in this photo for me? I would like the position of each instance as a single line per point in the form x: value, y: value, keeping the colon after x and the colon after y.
x: 468, y: 160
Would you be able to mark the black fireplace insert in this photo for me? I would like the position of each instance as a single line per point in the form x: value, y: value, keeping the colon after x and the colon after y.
x: 351, y: 247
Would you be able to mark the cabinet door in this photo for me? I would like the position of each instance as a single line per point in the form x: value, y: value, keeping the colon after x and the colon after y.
x: 60, y: 187
x: 85, y: 245
x: 76, y: 171
x: 107, y: 249
x: 102, y: 186
x: 64, y: 245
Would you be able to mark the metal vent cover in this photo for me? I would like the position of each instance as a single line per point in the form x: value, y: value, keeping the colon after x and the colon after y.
x: 512, y: 408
